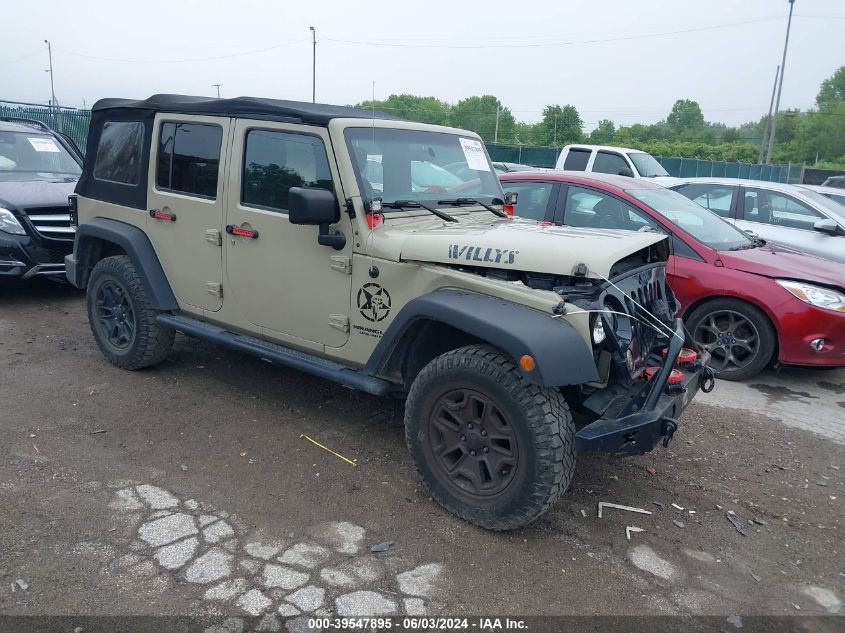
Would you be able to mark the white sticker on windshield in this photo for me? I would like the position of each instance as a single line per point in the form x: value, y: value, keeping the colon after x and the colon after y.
x: 474, y: 153
x: 43, y: 144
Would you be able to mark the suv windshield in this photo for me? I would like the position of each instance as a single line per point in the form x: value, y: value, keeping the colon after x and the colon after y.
x: 32, y: 152
x: 647, y: 165
x: 705, y: 226
x: 422, y: 166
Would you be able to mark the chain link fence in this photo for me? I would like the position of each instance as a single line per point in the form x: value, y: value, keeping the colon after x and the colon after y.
x: 74, y: 123
x: 70, y: 121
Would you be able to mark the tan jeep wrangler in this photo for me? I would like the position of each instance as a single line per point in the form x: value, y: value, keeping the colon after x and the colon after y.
x: 375, y: 252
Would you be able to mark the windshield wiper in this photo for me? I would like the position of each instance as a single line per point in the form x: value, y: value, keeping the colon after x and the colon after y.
x: 457, y: 202
x: 756, y: 243
x: 413, y: 204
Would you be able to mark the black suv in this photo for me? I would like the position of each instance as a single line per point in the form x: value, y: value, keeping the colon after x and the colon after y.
x: 38, y: 171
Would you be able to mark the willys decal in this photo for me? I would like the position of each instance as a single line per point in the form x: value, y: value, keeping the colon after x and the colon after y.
x: 482, y: 254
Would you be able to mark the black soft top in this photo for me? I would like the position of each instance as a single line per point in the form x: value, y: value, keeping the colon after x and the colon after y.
x: 293, y: 111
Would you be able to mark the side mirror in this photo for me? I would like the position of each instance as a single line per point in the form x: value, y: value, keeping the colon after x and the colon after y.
x: 626, y: 171
x: 312, y: 206
x: 826, y: 226
x: 316, y: 207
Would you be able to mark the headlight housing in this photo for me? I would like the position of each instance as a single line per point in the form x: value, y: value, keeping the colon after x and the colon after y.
x: 598, y: 330
x: 818, y: 296
x: 9, y: 223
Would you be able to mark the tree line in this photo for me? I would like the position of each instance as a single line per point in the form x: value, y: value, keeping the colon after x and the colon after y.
x: 815, y: 136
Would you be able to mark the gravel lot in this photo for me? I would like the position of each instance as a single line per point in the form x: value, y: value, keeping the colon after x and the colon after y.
x: 187, y: 489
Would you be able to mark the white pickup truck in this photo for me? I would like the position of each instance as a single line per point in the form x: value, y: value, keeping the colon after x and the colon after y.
x: 609, y: 160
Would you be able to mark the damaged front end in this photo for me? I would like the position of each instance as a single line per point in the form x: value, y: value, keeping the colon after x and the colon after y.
x: 650, y: 367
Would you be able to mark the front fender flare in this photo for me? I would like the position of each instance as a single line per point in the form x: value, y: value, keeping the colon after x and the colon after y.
x: 561, y: 355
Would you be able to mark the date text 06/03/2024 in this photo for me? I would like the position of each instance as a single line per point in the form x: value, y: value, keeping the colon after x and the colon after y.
x: 419, y: 624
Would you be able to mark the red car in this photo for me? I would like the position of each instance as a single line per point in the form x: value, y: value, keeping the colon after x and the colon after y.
x: 747, y: 302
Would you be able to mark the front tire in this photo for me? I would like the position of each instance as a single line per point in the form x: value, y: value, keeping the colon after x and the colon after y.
x: 121, y: 317
x: 490, y: 447
x: 739, y: 337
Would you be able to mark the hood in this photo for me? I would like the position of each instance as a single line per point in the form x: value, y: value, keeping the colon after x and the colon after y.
x: 48, y: 190
x: 784, y: 263
x: 510, y: 244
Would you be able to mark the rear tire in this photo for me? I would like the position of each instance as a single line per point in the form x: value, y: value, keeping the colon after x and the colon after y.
x: 739, y: 337
x: 490, y: 447
x: 121, y: 317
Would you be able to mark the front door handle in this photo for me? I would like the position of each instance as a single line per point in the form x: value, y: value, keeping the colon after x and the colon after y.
x: 231, y: 229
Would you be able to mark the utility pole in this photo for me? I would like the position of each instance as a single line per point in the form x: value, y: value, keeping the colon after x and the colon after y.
x: 496, y: 133
x: 218, y: 89
x: 313, y: 65
x: 769, y: 118
x: 55, y: 105
x: 554, y: 142
x: 780, y: 85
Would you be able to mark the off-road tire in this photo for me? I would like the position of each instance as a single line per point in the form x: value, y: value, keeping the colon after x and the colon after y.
x: 766, y: 335
x: 539, y: 419
x: 151, y: 342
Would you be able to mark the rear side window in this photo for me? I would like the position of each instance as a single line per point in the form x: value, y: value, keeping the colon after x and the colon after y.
x: 189, y: 158
x: 609, y: 163
x: 533, y: 198
x: 119, y: 152
x: 577, y: 159
x: 717, y: 198
x: 276, y: 161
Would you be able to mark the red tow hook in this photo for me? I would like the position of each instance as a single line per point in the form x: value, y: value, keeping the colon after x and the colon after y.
x: 687, y: 356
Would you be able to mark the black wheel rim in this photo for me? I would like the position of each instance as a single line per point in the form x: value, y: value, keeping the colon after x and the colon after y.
x: 470, y: 444
x: 731, y: 338
x: 115, y: 315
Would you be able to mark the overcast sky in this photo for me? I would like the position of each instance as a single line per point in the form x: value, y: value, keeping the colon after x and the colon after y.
x: 625, y: 60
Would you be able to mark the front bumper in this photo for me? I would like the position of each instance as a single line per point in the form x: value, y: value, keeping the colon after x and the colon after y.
x: 648, y: 410
x: 799, y: 324
x: 22, y: 258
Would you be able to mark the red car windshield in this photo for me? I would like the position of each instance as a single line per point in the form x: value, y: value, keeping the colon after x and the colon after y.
x: 705, y: 226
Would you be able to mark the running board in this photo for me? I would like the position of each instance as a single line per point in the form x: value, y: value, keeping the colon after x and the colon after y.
x: 277, y: 354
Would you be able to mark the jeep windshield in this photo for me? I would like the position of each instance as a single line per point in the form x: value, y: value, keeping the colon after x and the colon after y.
x: 420, y: 166
x: 33, y: 153
x: 705, y: 226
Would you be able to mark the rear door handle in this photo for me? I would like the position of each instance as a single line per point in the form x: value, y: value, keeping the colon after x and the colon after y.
x: 231, y: 229
x: 163, y: 214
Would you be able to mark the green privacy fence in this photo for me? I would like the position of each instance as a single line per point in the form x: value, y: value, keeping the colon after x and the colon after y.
x: 69, y: 121
x: 679, y: 167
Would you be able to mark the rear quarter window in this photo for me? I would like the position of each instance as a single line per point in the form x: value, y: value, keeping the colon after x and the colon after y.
x: 119, y: 152
x: 577, y: 159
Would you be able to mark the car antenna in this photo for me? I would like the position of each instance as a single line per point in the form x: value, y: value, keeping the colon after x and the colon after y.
x: 373, y: 272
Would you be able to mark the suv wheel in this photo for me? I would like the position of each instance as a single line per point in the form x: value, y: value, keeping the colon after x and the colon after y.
x: 490, y: 447
x: 739, y: 337
x: 121, y: 318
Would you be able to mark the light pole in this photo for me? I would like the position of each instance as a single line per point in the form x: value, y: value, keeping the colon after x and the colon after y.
x: 780, y: 85
x: 313, y: 65
x: 56, y: 119
x: 218, y: 89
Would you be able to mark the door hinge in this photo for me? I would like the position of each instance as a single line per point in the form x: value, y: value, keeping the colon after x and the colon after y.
x: 341, y: 263
x: 213, y: 236
x: 339, y: 322
x: 214, y: 288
